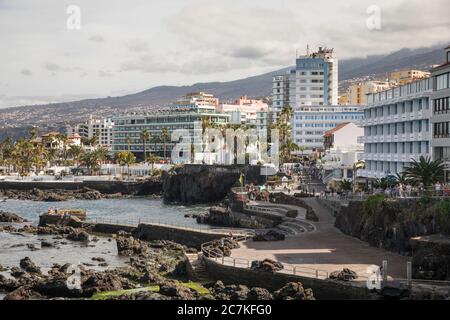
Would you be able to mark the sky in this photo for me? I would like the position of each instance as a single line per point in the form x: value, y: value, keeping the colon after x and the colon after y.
x: 126, y: 46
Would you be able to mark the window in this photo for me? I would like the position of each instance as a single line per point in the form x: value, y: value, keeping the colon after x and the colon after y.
x: 442, y: 81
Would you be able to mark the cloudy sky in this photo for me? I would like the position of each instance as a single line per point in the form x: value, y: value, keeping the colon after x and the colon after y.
x: 131, y: 45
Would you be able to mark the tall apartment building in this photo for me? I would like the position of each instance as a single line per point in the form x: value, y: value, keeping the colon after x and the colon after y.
x: 396, y: 128
x: 187, y: 113
x: 311, y: 122
x: 357, y: 93
x: 402, y: 77
x: 103, y: 128
x: 440, y: 141
x: 314, y: 81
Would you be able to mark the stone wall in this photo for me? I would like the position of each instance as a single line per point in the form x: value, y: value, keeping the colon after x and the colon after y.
x: 190, y: 238
x: 105, y: 186
x: 323, y: 289
x: 390, y: 223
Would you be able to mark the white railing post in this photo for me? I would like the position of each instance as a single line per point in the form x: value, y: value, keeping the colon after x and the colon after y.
x: 295, y: 271
x: 317, y: 274
x: 385, y: 273
x: 408, y: 273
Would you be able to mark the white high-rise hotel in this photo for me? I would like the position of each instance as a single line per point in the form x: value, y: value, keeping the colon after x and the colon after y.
x: 314, y: 81
x: 311, y: 89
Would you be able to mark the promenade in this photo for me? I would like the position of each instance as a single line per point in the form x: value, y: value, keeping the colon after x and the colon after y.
x: 325, y: 248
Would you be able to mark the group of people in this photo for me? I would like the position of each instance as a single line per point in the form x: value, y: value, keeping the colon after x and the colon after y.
x: 403, y: 190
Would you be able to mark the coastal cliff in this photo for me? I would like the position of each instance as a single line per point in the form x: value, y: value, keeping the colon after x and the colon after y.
x: 204, y: 184
x: 391, y: 224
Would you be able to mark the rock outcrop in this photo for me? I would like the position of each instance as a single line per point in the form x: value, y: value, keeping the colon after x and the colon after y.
x: 343, y: 275
x: 11, y: 217
x: 271, y: 235
x: 267, y: 265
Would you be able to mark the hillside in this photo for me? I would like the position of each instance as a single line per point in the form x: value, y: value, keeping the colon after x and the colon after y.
x: 60, y: 114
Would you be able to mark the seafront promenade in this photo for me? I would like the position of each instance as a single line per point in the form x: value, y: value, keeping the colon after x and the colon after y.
x: 325, y: 248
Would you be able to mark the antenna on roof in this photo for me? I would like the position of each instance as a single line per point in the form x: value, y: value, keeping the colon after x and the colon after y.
x: 307, y: 49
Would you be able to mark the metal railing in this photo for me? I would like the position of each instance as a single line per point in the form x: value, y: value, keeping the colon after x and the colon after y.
x: 209, y: 252
x: 157, y: 222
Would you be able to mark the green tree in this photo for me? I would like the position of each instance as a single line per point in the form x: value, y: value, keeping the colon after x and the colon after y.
x: 125, y: 158
x: 145, y: 136
x: 164, y: 139
x: 346, y: 185
x: 75, y: 153
x: 426, y: 171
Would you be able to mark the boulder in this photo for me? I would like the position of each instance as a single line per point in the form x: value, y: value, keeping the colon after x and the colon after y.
x: 344, y: 275
x: 56, y: 286
x: 7, y: 284
x: 23, y: 293
x: 46, y: 244
x: 99, y: 282
x: 293, y: 291
x: 11, y: 217
x: 267, y: 265
x: 29, y: 266
x: 78, y: 236
x: 128, y: 246
x: 259, y: 294
x: 271, y: 235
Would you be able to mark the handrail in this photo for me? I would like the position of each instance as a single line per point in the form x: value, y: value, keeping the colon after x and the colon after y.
x: 209, y: 252
x: 136, y: 222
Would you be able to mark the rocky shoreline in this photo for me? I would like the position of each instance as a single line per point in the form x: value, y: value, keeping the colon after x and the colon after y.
x: 155, y: 270
x: 56, y: 195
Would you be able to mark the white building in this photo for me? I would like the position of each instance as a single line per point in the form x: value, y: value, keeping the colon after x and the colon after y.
x: 441, y: 112
x: 314, y: 81
x: 102, y: 128
x: 396, y: 128
x: 244, y: 110
x: 311, y: 122
x: 342, y: 150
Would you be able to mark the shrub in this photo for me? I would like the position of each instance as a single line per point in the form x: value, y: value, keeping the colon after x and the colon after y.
x: 373, y: 203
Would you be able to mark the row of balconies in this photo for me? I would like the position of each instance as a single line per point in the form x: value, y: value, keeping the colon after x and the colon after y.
x: 392, y: 157
x: 396, y: 118
x: 406, y: 137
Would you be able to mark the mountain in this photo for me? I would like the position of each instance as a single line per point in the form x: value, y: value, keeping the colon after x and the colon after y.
x: 60, y: 114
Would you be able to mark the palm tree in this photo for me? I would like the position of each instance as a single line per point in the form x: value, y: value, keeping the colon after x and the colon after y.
x: 152, y: 159
x: 164, y: 138
x: 125, y: 158
x: 346, y: 185
x: 75, y: 152
x: 145, y: 136
x: 426, y: 171
x: 287, y: 148
x: 63, y: 138
x: 400, y: 178
x: 155, y: 139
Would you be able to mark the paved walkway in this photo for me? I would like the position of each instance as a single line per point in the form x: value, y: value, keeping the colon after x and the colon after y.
x: 326, y: 249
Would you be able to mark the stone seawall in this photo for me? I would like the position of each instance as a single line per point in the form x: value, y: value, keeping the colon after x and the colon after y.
x: 323, y: 289
x: 105, y: 186
x: 188, y: 237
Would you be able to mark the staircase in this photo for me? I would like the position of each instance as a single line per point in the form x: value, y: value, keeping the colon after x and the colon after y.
x: 196, y: 269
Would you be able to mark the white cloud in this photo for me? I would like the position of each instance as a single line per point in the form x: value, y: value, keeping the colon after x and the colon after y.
x: 26, y: 72
x: 150, y: 43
